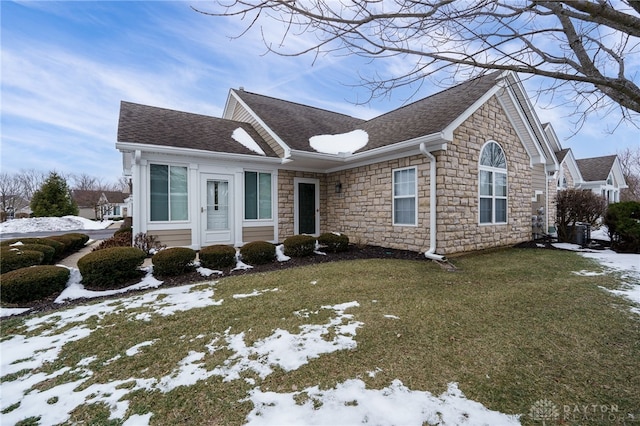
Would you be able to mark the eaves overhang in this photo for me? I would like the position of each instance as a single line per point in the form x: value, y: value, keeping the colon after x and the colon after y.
x: 329, y: 163
x: 197, y: 153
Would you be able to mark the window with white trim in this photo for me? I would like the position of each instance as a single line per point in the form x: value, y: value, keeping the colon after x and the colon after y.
x: 405, y: 196
x: 493, y: 184
x: 257, y: 196
x: 169, y: 195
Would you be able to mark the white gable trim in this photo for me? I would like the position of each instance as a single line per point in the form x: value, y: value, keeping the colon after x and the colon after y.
x: 570, y: 161
x: 229, y: 110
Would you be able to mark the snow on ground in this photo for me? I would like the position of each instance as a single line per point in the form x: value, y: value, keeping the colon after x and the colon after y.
x: 51, y: 224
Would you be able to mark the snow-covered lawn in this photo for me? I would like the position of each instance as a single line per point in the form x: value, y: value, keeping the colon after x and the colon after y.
x: 36, y: 392
x: 51, y: 224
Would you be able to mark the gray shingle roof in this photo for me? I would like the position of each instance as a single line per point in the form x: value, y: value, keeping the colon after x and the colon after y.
x: 561, y: 154
x: 295, y: 123
x: 159, y: 126
x: 597, y: 168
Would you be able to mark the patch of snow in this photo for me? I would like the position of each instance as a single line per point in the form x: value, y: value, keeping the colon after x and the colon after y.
x: 585, y: 273
x: 280, y: 256
x: 253, y: 294
x: 206, y: 272
x: 242, y: 137
x: 138, y: 420
x: 52, y: 224
x: 601, y: 233
x: 7, y: 312
x: 347, y: 143
x: 316, y: 249
x: 352, y: 403
x: 391, y: 316
x: 135, y: 349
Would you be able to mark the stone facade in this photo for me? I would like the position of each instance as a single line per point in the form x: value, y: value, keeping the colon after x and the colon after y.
x: 363, y: 209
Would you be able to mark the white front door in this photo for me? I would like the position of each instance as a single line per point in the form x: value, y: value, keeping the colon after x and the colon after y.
x: 216, y: 209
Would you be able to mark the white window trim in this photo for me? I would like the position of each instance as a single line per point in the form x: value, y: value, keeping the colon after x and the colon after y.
x: 148, y: 184
x: 493, y: 197
x: 393, y: 196
x: 259, y: 221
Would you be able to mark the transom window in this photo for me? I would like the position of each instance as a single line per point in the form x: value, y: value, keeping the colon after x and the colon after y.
x: 404, y: 196
x: 493, y: 184
x: 169, y: 199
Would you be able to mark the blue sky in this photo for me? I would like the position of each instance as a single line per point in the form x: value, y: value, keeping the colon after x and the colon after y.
x: 67, y: 65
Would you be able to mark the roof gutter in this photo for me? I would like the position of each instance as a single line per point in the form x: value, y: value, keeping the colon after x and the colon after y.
x: 431, y: 253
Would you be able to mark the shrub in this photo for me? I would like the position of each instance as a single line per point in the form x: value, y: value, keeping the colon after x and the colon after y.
x: 34, y: 283
x: 173, y: 261
x: 12, y: 258
x: 299, y: 245
x: 147, y: 243
x: 258, y: 252
x: 74, y: 240
x: 57, y: 245
x: 122, y: 239
x: 623, y: 221
x: 109, y: 267
x: 218, y: 256
x: 124, y: 229
x: 47, y: 251
x: 333, y: 242
x: 577, y: 205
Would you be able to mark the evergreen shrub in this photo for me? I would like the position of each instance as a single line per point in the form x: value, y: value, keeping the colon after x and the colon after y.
x: 623, y: 221
x: 47, y: 251
x: 107, y: 268
x: 299, y: 245
x: 217, y: 256
x: 173, y: 261
x: 34, y: 283
x: 12, y: 258
x: 258, y: 252
x: 334, y: 243
x: 57, y: 245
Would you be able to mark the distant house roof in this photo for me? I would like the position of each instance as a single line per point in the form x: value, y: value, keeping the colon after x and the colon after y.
x: 115, y: 197
x: 597, y: 168
x: 295, y: 124
x: 561, y: 154
x: 159, y: 126
x: 90, y: 198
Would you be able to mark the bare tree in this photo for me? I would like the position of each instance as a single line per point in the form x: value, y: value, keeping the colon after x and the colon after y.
x: 30, y: 181
x: 11, y: 194
x: 630, y: 162
x: 584, y: 47
x: 85, y: 182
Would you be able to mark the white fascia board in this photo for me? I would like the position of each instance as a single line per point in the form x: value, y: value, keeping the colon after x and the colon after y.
x: 550, y: 154
x: 570, y: 161
x: 533, y: 149
x: 335, y: 163
x: 227, y: 113
x: 448, y: 131
x: 285, y: 147
x: 197, y: 153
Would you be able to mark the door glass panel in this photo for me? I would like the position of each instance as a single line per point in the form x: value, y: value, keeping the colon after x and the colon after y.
x: 307, y: 208
x: 217, y: 205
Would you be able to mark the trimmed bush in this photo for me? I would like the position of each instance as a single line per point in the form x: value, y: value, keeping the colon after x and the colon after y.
x: 623, y: 221
x: 124, y: 229
x: 34, y: 283
x: 57, y: 245
x: 173, y: 261
x: 123, y: 239
x: 107, y: 268
x: 74, y: 240
x: 217, y: 256
x: 258, y: 252
x: 299, y: 245
x: 334, y: 243
x: 12, y: 258
x: 47, y: 251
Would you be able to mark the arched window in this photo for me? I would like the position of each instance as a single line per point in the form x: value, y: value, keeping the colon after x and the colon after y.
x: 493, y: 184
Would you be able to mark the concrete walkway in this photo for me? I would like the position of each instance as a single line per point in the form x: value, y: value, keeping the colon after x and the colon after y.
x: 72, y: 260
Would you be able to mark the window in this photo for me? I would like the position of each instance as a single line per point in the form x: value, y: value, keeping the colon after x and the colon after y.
x: 169, y: 200
x: 404, y: 197
x: 257, y: 195
x: 493, y: 184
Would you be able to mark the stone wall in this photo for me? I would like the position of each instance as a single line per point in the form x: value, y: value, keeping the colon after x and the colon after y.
x: 457, y: 176
x: 363, y: 209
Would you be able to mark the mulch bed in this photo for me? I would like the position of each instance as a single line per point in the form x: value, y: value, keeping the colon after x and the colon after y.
x: 353, y: 253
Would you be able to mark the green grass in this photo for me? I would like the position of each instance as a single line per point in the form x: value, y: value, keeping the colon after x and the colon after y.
x: 511, y: 327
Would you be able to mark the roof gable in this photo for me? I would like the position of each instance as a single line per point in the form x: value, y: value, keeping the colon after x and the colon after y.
x: 149, y: 125
x: 596, y: 168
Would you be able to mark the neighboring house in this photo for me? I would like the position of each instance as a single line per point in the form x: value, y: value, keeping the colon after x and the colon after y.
x: 96, y: 204
x: 464, y: 169
x: 601, y: 175
x: 14, y: 206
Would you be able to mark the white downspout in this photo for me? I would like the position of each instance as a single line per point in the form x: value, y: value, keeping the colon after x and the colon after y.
x: 431, y: 253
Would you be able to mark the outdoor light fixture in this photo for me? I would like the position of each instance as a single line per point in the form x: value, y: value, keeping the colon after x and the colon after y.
x: 338, y: 188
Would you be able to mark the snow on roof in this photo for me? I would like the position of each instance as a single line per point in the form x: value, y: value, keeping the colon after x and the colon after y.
x: 241, y: 136
x: 342, y: 143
